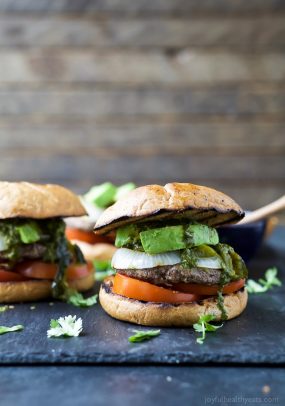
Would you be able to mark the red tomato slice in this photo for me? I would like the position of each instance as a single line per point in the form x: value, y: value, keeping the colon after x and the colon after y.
x: 7, y: 276
x: 136, y: 289
x: 42, y: 270
x: 78, y: 271
x: 86, y: 236
x: 36, y: 270
x: 206, y: 290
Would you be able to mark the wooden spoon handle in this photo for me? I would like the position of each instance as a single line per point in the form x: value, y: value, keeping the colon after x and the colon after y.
x: 265, y: 211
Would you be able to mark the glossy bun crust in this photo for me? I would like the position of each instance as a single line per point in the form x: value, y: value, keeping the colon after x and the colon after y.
x: 172, y: 201
x: 164, y: 314
x: 30, y: 200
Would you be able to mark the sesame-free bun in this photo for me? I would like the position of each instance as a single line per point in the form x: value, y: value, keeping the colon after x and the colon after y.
x: 33, y: 290
x: 164, y: 314
x: 24, y: 199
x: 172, y: 201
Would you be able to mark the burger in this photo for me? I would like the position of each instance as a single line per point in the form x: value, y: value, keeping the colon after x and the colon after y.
x: 79, y: 230
x: 170, y: 266
x: 36, y: 259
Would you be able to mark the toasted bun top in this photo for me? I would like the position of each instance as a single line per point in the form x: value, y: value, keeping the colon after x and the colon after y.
x: 172, y: 201
x: 24, y: 199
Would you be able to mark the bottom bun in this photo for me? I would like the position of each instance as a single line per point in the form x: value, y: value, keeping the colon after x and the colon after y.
x: 33, y: 290
x: 165, y: 314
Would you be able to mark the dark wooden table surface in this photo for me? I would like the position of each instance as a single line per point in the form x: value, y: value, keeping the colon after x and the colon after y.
x: 126, y: 384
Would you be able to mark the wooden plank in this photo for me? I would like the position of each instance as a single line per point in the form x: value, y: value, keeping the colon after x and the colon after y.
x: 140, y: 68
x: 255, y: 138
x: 142, y: 168
x: 139, y: 7
x: 143, y: 102
x: 254, y: 33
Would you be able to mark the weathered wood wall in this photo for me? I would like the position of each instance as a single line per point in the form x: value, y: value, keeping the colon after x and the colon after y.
x: 149, y: 91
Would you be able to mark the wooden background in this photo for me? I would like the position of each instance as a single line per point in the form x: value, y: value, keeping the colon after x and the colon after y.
x: 148, y: 91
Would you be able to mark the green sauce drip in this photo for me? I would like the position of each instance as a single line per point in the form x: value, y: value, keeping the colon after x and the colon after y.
x: 221, y: 306
x: 233, y: 269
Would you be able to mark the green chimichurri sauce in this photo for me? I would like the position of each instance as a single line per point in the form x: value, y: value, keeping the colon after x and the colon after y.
x: 50, y: 235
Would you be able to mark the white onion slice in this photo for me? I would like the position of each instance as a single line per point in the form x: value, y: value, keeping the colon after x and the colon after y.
x: 210, y: 262
x: 125, y: 258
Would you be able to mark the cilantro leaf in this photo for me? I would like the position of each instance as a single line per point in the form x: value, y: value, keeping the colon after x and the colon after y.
x: 203, y: 325
x: 29, y: 233
x: 66, y: 326
x: 255, y: 287
x: 263, y: 285
x: 143, y: 335
x: 77, y: 299
x: 4, y: 329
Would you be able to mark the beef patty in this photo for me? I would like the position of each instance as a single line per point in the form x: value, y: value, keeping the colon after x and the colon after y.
x: 171, y: 274
x: 29, y: 251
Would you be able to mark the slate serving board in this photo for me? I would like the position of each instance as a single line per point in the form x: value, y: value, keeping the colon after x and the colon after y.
x: 257, y: 336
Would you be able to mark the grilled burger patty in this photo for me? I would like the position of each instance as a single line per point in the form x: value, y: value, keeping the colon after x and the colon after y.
x: 171, y: 274
x: 30, y: 251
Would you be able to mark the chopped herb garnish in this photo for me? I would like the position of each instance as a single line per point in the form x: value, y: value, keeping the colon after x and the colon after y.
x: 203, y: 325
x: 263, y: 285
x: 77, y: 299
x: 29, y: 232
x: 3, y: 308
x: 143, y: 335
x: 66, y: 326
x: 4, y: 329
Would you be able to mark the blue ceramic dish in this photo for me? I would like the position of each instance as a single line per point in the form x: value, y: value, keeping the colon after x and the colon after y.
x: 244, y: 238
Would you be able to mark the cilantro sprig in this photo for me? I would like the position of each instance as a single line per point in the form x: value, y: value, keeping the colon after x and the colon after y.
x: 5, y: 329
x: 140, y: 336
x: 77, y: 299
x: 203, y: 325
x: 66, y: 326
x: 263, y: 285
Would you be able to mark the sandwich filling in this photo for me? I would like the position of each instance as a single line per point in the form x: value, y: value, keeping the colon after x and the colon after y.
x: 175, y: 262
x: 38, y: 249
x: 95, y: 201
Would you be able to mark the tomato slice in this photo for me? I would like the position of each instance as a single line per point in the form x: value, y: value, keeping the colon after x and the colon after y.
x: 42, y: 270
x: 206, y: 290
x: 7, y: 276
x: 36, y: 270
x: 140, y: 290
x: 82, y: 235
x: 78, y: 271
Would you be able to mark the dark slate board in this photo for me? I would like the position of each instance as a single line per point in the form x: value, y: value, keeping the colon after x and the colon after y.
x: 258, y: 336
x: 145, y: 385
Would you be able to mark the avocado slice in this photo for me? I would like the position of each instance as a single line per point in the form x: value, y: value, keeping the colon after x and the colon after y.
x: 102, y: 195
x: 198, y: 234
x: 126, y: 236
x: 157, y: 240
